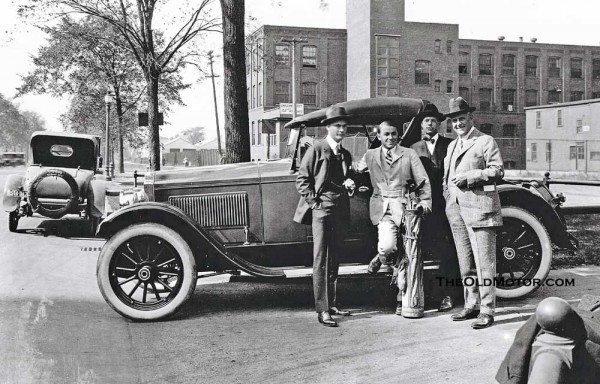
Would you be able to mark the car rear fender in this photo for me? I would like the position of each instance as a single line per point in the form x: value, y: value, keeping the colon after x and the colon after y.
x: 517, y: 196
x: 13, y: 189
x: 204, y: 246
x: 97, y: 196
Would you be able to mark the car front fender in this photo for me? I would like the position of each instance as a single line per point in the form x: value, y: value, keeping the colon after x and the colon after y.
x: 13, y: 191
x: 517, y: 196
x: 199, y: 239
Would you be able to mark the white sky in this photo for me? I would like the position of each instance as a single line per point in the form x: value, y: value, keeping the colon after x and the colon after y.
x: 550, y: 21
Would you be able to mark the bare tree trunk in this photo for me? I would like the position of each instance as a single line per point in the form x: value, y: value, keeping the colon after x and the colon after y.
x: 237, y: 135
x: 153, y: 122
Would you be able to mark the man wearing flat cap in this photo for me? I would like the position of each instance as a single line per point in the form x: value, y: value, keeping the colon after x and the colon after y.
x: 436, y: 236
x: 472, y: 167
x: 323, y: 182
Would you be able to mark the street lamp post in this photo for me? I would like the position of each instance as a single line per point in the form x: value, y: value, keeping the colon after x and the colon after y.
x: 293, y: 43
x: 108, y: 100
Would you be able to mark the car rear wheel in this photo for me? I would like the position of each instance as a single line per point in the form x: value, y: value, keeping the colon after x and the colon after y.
x: 146, y: 272
x: 13, y: 221
x: 523, y: 253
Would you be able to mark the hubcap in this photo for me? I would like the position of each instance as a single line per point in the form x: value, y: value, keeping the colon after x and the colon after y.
x: 509, y: 253
x: 144, y: 273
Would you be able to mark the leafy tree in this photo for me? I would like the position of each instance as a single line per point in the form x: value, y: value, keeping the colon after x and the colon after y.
x: 16, y: 126
x: 194, y: 135
x: 84, y: 59
x: 155, y: 53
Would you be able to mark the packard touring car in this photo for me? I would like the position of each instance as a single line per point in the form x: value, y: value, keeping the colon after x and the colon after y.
x: 59, y: 180
x: 238, y: 217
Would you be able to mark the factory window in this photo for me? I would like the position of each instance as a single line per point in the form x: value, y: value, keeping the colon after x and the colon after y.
x: 538, y: 119
x: 282, y: 92
x: 559, y: 119
x: 422, y: 72
x: 576, y: 68
x: 309, y: 93
x: 548, y: 152
x: 485, y: 99
x: 449, y: 86
x: 596, y: 69
x: 485, y: 64
x: 576, y: 95
x: 282, y: 54
x: 579, y: 125
x: 388, y: 65
x: 463, y: 62
x: 554, y: 66
x: 437, y: 86
x: 486, y: 128
x: 508, y: 100
x: 531, y: 65
x: 309, y: 56
x: 508, y: 65
x: 533, y: 151
x: 464, y: 93
x: 553, y: 96
x: 531, y: 97
x: 509, y: 133
x: 437, y: 46
x: 449, y: 46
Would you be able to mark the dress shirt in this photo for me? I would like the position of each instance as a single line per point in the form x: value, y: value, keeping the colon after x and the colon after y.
x: 431, y: 145
x: 335, y: 146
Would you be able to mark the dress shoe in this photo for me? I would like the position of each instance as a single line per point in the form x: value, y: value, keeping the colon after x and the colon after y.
x: 465, y: 314
x: 338, y: 312
x: 399, y: 308
x: 374, y: 265
x: 446, y: 304
x: 326, y: 320
x: 483, y: 321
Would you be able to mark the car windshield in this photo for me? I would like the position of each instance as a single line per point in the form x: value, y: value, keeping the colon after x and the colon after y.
x: 65, y: 152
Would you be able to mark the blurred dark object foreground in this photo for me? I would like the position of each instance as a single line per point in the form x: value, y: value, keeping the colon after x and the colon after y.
x: 558, y: 344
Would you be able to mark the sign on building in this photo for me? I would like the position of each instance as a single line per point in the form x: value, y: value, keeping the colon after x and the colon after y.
x: 288, y: 108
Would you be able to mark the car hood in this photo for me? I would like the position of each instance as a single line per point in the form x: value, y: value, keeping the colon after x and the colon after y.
x: 57, y: 188
x: 221, y: 175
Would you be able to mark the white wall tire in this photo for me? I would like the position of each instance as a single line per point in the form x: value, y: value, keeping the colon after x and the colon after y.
x: 146, y: 272
x: 523, y: 252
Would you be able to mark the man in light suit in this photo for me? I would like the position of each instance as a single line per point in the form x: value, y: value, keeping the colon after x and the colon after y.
x: 390, y: 168
x: 323, y: 181
x: 435, y: 230
x: 471, y: 168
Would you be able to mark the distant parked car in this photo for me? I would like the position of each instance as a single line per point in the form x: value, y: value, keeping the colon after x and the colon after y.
x: 59, y: 180
x: 12, y: 158
x: 238, y: 217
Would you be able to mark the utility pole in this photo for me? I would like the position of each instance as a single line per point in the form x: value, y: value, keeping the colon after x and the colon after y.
x: 293, y: 43
x: 212, y: 76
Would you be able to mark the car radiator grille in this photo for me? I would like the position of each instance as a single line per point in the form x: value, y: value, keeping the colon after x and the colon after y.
x: 215, y: 210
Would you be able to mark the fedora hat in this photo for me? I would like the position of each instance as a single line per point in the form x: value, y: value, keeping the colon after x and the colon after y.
x: 335, y: 113
x: 458, y: 106
x: 431, y: 110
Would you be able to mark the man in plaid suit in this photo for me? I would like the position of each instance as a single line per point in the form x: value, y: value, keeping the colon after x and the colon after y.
x: 471, y: 168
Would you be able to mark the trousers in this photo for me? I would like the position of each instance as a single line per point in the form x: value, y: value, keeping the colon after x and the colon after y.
x: 476, y: 250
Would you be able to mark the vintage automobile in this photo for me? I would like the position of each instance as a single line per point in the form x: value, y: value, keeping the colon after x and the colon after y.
x: 238, y: 217
x: 59, y: 180
x: 12, y: 159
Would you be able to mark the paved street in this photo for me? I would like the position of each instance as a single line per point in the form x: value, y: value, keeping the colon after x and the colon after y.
x: 56, y: 328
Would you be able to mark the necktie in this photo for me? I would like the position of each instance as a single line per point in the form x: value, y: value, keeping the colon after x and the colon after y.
x: 432, y: 141
x: 388, y: 157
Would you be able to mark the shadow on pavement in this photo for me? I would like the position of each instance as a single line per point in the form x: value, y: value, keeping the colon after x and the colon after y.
x: 69, y: 228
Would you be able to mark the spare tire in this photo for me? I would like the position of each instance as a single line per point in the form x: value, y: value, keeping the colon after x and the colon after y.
x: 45, y: 211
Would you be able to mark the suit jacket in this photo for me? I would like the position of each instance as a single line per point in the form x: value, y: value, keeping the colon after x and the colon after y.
x: 434, y: 166
x: 389, y: 190
x: 481, y: 162
x: 313, y: 174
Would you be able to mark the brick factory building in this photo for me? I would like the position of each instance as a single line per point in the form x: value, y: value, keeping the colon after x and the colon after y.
x: 382, y: 54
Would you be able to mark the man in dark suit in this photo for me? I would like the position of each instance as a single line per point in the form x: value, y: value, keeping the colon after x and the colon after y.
x: 437, y: 237
x: 471, y: 168
x: 323, y: 184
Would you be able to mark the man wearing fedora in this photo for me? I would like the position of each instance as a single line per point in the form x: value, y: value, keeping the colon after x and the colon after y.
x: 471, y: 168
x: 390, y: 169
x: 436, y: 235
x: 323, y: 182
